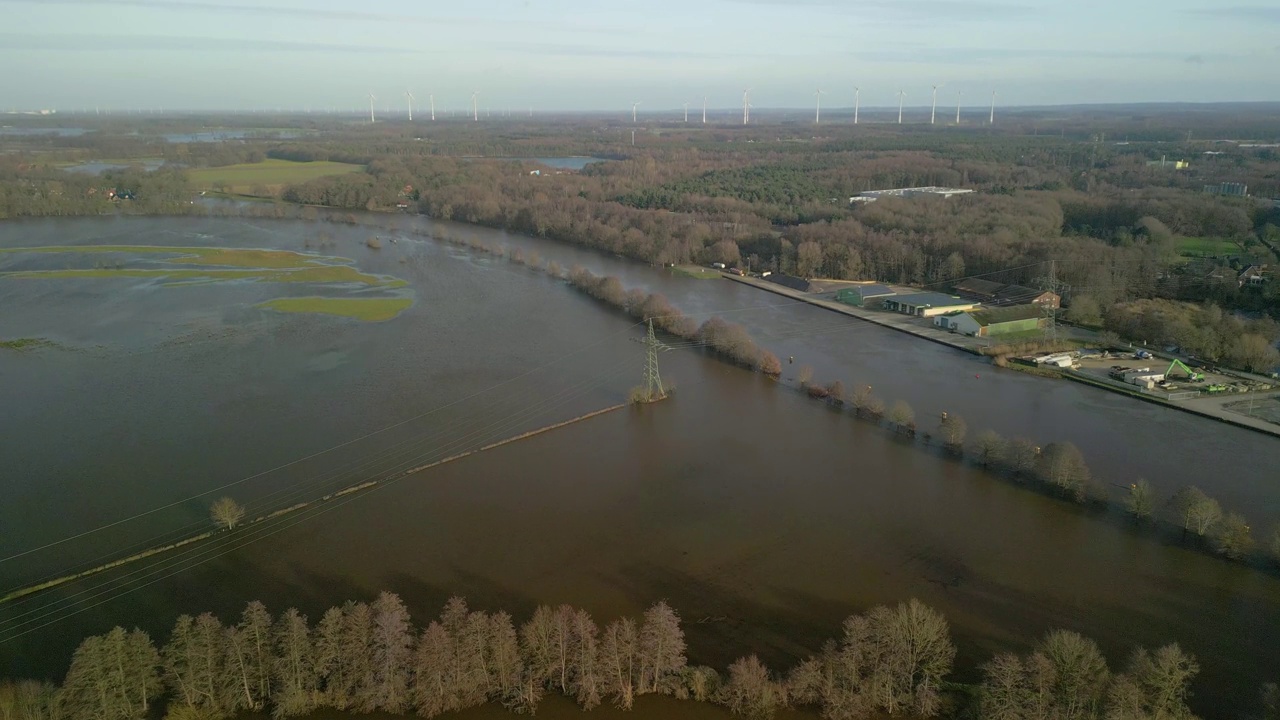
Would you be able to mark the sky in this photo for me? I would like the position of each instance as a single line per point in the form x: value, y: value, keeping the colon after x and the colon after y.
x: 606, y: 54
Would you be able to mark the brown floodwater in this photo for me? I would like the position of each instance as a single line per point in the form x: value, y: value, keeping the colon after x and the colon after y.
x: 763, y: 517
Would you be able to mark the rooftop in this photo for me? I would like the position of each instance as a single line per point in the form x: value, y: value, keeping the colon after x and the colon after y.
x: 1014, y: 313
x: 931, y: 299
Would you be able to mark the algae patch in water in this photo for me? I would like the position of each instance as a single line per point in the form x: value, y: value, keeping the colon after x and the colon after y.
x: 248, y: 263
x: 365, y: 309
x: 26, y: 344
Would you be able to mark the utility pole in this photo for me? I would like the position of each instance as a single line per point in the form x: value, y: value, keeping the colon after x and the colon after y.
x: 653, y: 389
x: 1050, y: 309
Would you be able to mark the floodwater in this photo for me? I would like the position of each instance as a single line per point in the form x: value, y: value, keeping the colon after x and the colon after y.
x: 97, y: 168
x: 58, y: 131
x: 572, y: 162
x: 763, y: 517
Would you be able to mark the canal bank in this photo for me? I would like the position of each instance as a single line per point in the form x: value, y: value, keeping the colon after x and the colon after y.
x: 1208, y: 407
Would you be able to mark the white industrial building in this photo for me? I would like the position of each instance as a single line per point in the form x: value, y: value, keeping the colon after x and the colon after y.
x: 930, y: 191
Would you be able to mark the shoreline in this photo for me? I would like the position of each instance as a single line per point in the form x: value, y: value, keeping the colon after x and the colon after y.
x: 900, y: 324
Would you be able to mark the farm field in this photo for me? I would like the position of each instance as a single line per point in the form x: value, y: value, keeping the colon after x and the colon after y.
x: 243, y: 177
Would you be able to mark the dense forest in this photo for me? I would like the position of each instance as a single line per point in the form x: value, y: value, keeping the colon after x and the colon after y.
x: 1115, y: 221
x: 363, y: 657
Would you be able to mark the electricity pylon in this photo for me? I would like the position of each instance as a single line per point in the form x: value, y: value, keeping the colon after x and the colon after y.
x: 653, y: 389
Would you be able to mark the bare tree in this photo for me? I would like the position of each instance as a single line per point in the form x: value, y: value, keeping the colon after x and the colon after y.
x: 503, y: 659
x: 804, y: 375
x: 1141, y: 501
x: 1062, y: 466
x: 1198, y: 511
x: 701, y: 683
x: 1231, y: 536
x: 661, y: 649
x: 584, y: 680
x: 953, y: 430
x: 1021, y: 456
x: 750, y: 691
x: 195, y: 663
x: 1065, y: 678
x: 293, y: 667
x: 249, y: 659
x: 391, y: 643
x: 989, y: 448
x: 896, y: 657
x: 903, y: 418
x: 226, y: 512
x: 1155, y: 685
x: 836, y: 393
x: 620, y: 662
x: 112, y: 676
x: 433, y: 688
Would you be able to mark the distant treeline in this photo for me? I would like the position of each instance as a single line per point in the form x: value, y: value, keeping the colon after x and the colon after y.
x: 369, y: 657
x: 1060, y: 470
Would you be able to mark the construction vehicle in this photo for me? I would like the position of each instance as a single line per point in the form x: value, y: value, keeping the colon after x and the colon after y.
x: 1192, y: 375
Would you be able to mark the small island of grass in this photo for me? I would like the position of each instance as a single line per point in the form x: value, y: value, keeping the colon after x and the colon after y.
x: 364, y: 309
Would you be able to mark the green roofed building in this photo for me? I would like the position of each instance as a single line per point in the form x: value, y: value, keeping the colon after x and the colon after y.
x: 860, y: 295
x: 994, y: 322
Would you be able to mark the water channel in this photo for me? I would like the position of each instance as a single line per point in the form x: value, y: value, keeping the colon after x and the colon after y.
x: 763, y: 517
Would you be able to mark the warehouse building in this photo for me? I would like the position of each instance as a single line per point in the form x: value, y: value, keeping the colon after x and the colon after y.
x: 927, y: 304
x: 994, y: 322
x: 861, y: 295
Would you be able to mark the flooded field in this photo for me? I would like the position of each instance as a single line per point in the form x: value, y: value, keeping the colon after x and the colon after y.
x: 762, y: 517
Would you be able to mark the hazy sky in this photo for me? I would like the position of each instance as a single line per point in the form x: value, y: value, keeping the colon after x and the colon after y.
x: 604, y: 54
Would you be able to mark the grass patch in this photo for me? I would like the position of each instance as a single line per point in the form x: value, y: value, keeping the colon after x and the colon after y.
x: 696, y: 272
x: 21, y: 344
x: 365, y: 309
x: 1205, y: 247
x: 268, y: 172
x: 227, y: 257
x: 319, y: 274
x: 245, y: 264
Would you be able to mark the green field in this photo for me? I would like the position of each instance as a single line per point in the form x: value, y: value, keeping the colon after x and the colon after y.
x: 699, y: 273
x: 228, y: 257
x: 268, y: 173
x: 365, y: 309
x: 1203, y: 247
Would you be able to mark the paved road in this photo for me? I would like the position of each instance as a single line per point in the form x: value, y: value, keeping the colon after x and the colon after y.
x: 1211, y: 406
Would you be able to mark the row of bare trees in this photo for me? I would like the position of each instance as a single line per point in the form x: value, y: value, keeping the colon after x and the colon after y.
x: 727, y: 339
x: 369, y: 657
x: 1060, y: 468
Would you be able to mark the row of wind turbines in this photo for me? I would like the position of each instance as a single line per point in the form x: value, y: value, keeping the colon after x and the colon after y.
x: 817, y: 111
x: 475, y: 108
x: 746, y: 106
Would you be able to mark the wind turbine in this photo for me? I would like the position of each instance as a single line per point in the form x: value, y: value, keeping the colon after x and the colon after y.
x: 901, y: 94
x: 686, y: 112
x: 957, y: 107
x: 746, y: 106
x: 371, y: 99
x: 704, y: 109
x: 933, y: 113
x: 475, y: 109
x: 992, y: 121
x: 817, y: 112
x: 634, y: 105
x: 857, y: 92
x: 432, y: 98
x: 409, y: 95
